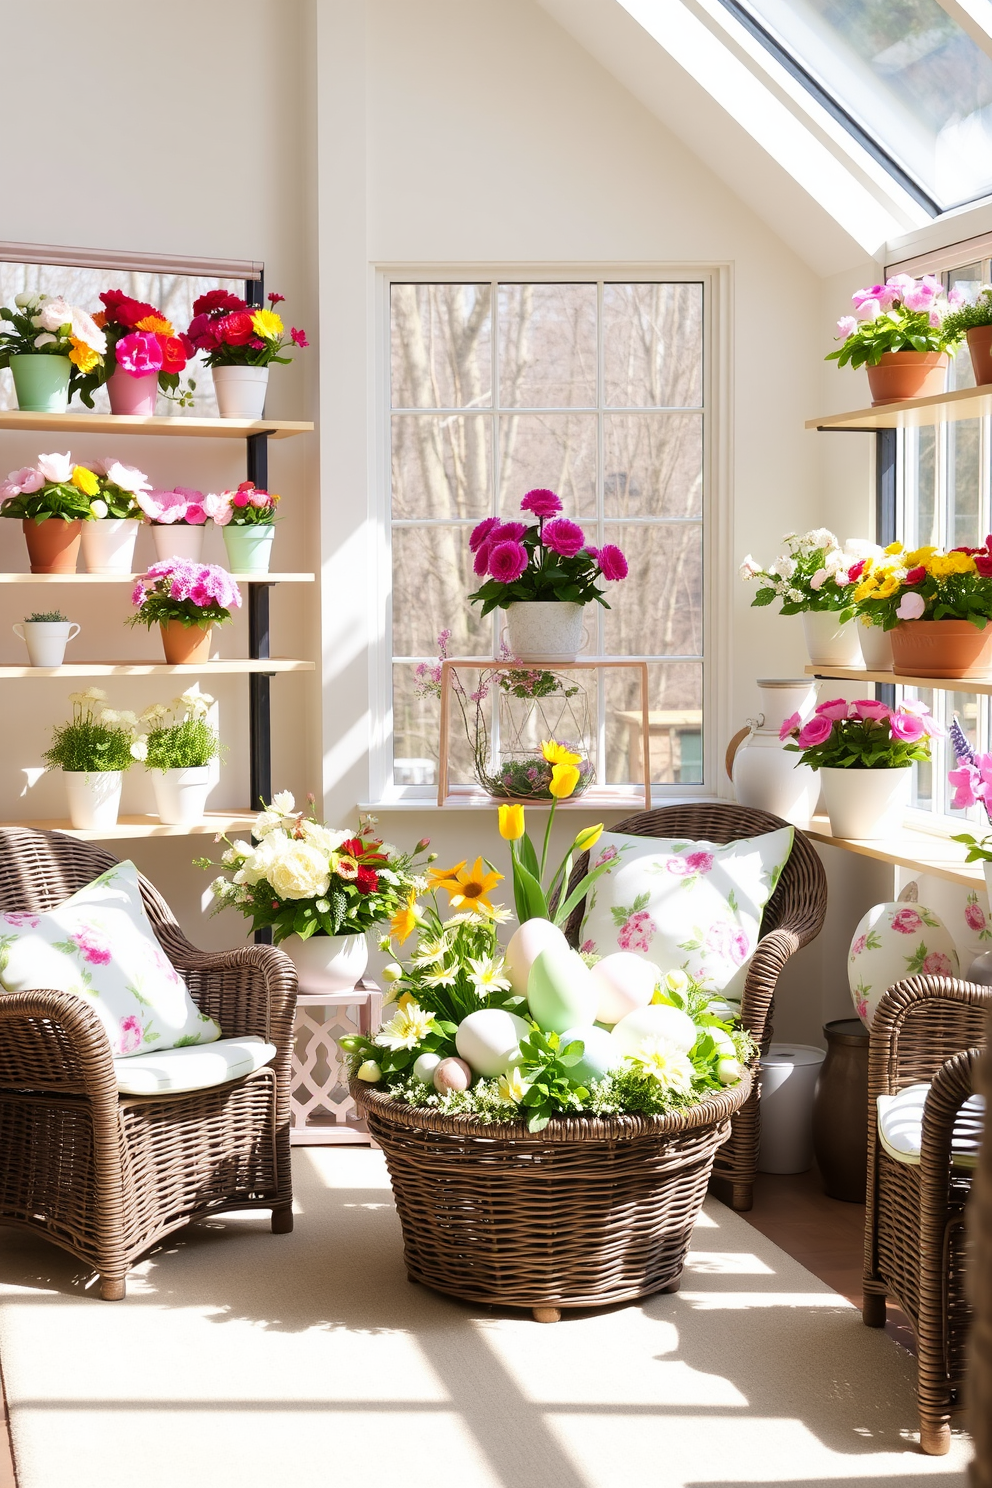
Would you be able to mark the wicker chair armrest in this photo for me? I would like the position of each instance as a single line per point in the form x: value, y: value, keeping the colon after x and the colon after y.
x: 248, y: 990
x: 54, y: 1041
x: 771, y: 953
x: 920, y: 1023
x: 953, y: 1083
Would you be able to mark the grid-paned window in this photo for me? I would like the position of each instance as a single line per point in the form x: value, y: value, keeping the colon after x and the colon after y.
x: 595, y: 389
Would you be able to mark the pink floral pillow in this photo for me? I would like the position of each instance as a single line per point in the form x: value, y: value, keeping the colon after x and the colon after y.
x: 694, y: 905
x: 100, y: 946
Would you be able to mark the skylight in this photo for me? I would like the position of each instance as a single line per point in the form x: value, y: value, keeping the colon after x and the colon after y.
x: 907, y: 77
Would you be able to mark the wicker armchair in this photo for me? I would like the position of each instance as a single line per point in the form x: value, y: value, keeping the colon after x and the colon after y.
x: 980, y: 1361
x: 793, y: 916
x: 925, y: 1029
x: 106, y: 1176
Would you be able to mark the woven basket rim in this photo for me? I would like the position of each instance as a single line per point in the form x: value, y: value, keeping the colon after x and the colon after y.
x: 717, y: 1107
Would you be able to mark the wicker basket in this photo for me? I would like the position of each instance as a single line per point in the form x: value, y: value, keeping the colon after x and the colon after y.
x: 590, y: 1211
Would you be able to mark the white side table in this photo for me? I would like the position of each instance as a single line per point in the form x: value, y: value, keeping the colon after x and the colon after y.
x: 322, y: 1111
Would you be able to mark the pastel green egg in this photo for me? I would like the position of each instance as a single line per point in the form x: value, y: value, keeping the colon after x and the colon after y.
x: 600, y: 1054
x: 526, y: 943
x: 561, y: 991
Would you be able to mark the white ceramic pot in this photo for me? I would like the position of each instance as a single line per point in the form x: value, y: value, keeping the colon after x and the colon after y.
x: 780, y: 698
x: 94, y: 797
x: 768, y: 777
x: 865, y: 803
x: 328, y: 963
x: 46, y: 640
x: 876, y: 647
x: 240, y: 391
x: 108, y: 544
x: 894, y: 941
x: 181, y: 795
x: 543, y: 630
x: 830, y: 643
x: 178, y: 540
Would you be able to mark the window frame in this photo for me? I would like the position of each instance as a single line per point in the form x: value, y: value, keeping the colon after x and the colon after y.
x: 717, y: 509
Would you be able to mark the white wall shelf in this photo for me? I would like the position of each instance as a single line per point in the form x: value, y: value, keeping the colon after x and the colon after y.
x: 263, y: 664
x: 145, y: 826
x: 923, y: 852
x: 914, y: 413
x: 978, y: 685
x: 18, y: 420
x: 131, y: 579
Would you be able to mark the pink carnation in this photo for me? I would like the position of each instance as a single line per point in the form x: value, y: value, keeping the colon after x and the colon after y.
x: 507, y: 532
x: 139, y: 353
x: 541, y: 502
x: 612, y: 563
x: 507, y: 562
x: 480, y: 532
x: 564, y: 537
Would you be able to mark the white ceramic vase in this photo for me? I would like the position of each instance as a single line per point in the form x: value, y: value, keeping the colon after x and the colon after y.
x: 876, y: 647
x: 46, y: 640
x: 766, y: 776
x: 865, y: 803
x: 240, y: 391
x: 94, y: 797
x: 544, y: 630
x: 178, y: 540
x: 328, y: 963
x: 830, y: 643
x: 181, y: 795
x: 108, y: 544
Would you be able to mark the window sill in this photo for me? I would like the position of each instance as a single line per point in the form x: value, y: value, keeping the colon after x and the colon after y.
x: 602, y: 800
x: 924, y: 852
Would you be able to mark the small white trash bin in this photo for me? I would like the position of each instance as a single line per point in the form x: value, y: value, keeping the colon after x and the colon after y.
x: 787, y: 1079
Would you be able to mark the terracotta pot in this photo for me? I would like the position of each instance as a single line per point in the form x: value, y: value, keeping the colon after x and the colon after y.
x: 941, y: 648
x: 186, y: 644
x: 980, y: 346
x: 53, y: 545
x: 907, y: 374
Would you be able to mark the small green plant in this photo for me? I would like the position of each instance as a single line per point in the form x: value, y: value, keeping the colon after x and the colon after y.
x: 46, y: 617
x: 96, y: 738
x: 961, y: 320
x: 187, y: 742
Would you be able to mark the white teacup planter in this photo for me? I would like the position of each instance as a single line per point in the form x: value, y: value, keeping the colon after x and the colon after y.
x: 328, y: 963
x: 46, y: 640
x: 830, y: 642
x: 181, y: 795
x: 94, y: 797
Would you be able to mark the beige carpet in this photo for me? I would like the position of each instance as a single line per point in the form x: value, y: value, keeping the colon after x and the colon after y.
x: 243, y: 1359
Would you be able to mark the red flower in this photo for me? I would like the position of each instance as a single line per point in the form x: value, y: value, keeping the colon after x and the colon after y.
x: 916, y: 575
x: 235, y: 329
x: 367, y: 881
x: 275, y: 299
x: 123, y: 310
x: 256, y: 344
x: 299, y: 337
x: 353, y: 848
x: 856, y: 572
x: 202, y: 334
x: 984, y: 565
x: 174, y: 353
x: 217, y: 299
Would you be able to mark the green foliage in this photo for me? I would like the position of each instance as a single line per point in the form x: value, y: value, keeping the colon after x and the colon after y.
x: 159, y: 609
x: 46, y: 617
x: 862, y: 744
x: 52, y: 500
x: 89, y: 746
x: 977, y: 851
x: 961, y: 320
x: 897, y: 329
x: 183, y: 746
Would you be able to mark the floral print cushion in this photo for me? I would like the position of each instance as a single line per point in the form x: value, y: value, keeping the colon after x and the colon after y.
x: 694, y: 905
x: 100, y: 946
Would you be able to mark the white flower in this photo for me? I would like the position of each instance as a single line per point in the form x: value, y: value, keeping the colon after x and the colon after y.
x: 431, y: 951
x: 794, y: 596
x: 153, y: 713
x: 486, y: 975
x: 821, y: 537
x: 327, y: 839
x: 266, y: 822
x: 513, y: 1087
x: 108, y: 716
x: 729, y: 1071
x: 676, y: 982
x: 407, y: 1028
x: 785, y: 566
x: 369, y: 1071
x: 45, y: 339
x: 54, y: 314
x: 659, y: 1058
x: 299, y: 872
x: 749, y: 569
x: 56, y: 468
x: 499, y: 915
x: 128, y: 477
x: 29, y: 300
x: 139, y: 749
x: 99, y: 509
x: 85, y: 329
x: 860, y: 547
x: 95, y: 695
x: 283, y: 802
x: 393, y: 972
x: 220, y: 888
x: 446, y: 976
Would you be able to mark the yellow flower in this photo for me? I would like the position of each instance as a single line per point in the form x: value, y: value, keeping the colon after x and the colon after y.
x: 557, y: 754
x: 405, y: 921
x: 866, y: 590
x: 564, y: 779
x: 587, y: 838
x: 473, y: 886
x: 267, y: 324
x: 408, y: 1026
x: 960, y: 563
x: 513, y: 1087
x: 84, y: 356
x: 888, y: 587
x: 84, y: 480
x: 894, y: 547
x: 156, y: 325
x: 511, y: 823
x: 918, y: 556
x: 443, y: 878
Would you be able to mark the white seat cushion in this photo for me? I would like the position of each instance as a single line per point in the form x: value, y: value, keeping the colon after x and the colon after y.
x: 900, y: 1126
x: 195, y: 1067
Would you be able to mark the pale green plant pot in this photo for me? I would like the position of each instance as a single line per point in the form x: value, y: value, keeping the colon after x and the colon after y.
x: 249, y: 549
x: 41, y: 382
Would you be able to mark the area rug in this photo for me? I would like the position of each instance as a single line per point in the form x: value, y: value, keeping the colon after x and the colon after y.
x: 242, y: 1359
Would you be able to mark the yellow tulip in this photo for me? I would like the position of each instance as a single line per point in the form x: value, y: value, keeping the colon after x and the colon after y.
x: 918, y: 556
x: 511, y: 823
x: 564, y: 779
x: 587, y: 838
x: 84, y: 480
x: 267, y: 324
x: 557, y: 754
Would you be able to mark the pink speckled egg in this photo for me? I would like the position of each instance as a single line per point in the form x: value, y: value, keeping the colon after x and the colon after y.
x: 452, y: 1074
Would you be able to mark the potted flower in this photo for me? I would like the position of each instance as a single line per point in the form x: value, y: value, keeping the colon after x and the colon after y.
x: 937, y: 607
x: 320, y: 890
x: 115, y: 515
x: 49, y: 347
x: 972, y: 782
x: 240, y: 342
x: 186, y: 600
x: 51, y: 499
x: 974, y: 322
x: 145, y: 354
x: 812, y: 578
x: 899, y: 334
x: 542, y: 574
x: 247, y: 518
x: 93, y: 749
x: 864, y: 752
x: 178, y: 521
x: 46, y: 633
x: 180, y: 746
x: 875, y: 577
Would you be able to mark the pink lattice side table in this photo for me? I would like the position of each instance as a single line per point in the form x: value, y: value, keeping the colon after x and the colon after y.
x: 322, y: 1110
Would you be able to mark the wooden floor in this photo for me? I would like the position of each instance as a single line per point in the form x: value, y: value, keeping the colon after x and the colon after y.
x: 825, y: 1235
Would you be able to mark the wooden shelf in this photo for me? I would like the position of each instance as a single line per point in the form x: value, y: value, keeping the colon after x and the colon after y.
x: 146, y: 826
x: 157, y: 668
x: 924, y: 852
x: 16, y: 419
x: 88, y: 578
x: 979, y: 685
x: 914, y: 413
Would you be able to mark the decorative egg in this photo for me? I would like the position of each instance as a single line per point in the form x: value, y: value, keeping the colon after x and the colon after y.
x: 623, y: 982
x: 892, y: 942
x: 490, y: 1040
x: 424, y: 1067
x: 452, y: 1074
x: 525, y: 945
x: 657, y: 1020
x: 561, y: 991
x: 599, y: 1056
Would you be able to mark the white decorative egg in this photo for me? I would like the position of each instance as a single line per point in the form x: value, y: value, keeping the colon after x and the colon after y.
x: 560, y: 990
x: 525, y: 945
x: 657, y: 1020
x: 624, y: 982
x: 490, y: 1040
x: 424, y: 1067
x: 600, y: 1054
x: 892, y: 942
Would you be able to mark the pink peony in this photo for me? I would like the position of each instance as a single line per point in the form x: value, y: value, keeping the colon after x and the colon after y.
x: 541, y: 502
x: 678, y: 867
x: 480, y: 533
x: 907, y: 727
x: 700, y: 862
x: 93, y: 946
x: 974, y: 917
x: 858, y: 946
x: 740, y: 948
x: 507, y: 562
x: 564, y: 537
x: 937, y: 964
x: 817, y: 731
x: 130, y: 1035
x: 139, y: 353
x: 637, y: 933
x: 835, y: 708
x: 612, y: 563
x: 911, y: 606
x: 789, y: 726
x: 868, y: 708
x: 907, y: 921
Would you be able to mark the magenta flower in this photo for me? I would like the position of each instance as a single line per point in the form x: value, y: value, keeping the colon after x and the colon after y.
x: 480, y: 563
x: 835, y: 708
x: 699, y: 862
x: 298, y: 336
x: 740, y: 948
x: 92, y: 946
x: 907, y: 727
x: 816, y: 731
x: 507, y: 532
x: 789, y: 726
x: 507, y: 561
x: 907, y: 921
x: 858, y: 946
x: 969, y: 784
x: 612, y: 563
x: 130, y: 1035
x: 481, y: 532
x: 541, y: 502
x: 868, y: 708
x: 564, y: 537
x: 139, y: 353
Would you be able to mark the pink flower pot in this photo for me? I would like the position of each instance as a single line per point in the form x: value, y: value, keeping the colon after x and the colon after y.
x: 133, y: 395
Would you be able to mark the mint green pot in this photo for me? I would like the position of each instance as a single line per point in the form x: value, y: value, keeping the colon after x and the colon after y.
x: 249, y: 548
x: 41, y: 382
